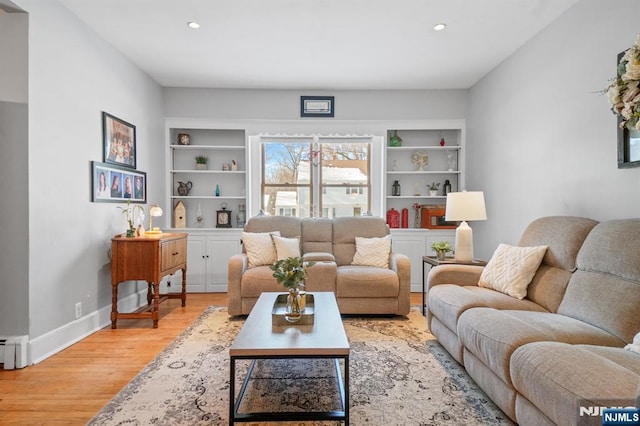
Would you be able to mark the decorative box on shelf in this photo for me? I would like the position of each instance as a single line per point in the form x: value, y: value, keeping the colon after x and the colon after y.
x: 433, y: 217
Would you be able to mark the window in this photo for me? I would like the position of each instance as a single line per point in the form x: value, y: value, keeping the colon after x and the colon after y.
x: 302, y: 178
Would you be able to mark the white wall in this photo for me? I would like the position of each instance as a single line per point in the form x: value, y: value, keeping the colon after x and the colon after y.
x: 541, y: 139
x: 14, y: 226
x: 73, y: 76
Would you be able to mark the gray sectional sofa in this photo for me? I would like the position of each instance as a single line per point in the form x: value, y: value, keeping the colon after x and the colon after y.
x: 331, y: 244
x: 560, y: 348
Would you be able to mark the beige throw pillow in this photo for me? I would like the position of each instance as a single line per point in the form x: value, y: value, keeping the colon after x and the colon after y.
x: 259, y: 247
x: 286, y: 247
x: 372, y: 252
x: 511, y: 269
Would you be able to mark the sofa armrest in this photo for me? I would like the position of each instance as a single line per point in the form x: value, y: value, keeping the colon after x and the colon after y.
x: 318, y: 256
x: 466, y: 275
x: 401, y: 265
x: 238, y: 264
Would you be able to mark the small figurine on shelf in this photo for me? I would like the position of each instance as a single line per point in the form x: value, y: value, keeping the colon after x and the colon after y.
x: 420, y: 159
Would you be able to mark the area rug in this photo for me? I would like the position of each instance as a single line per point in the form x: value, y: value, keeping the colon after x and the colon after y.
x: 399, y: 375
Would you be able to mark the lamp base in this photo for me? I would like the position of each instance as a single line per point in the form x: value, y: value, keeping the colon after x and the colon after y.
x: 464, y: 243
x: 154, y: 231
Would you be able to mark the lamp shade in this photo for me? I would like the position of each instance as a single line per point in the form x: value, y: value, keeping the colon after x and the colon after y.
x: 463, y: 206
x: 155, y: 211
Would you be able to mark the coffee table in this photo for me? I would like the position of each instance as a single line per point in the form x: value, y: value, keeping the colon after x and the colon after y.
x: 258, y: 339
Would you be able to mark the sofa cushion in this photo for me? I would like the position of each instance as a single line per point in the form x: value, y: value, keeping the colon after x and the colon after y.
x: 492, y: 335
x: 372, y: 252
x: 317, y: 235
x: 564, y: 236
x: 511, y: 269
x: 345, y: 231
x: 257, y: 280
x: 356, y: 281
x: 558, y: 378
x: 286, y: 247
x: 448, y: 301
x: 605, y: 290
x: 259, y: 247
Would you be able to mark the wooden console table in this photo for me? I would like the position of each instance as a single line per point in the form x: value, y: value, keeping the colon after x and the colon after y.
x: 148, y: 258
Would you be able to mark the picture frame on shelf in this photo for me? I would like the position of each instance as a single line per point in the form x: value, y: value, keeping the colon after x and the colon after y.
x: 118, y: 141
x: 114, y: 184
x: 317, y: 106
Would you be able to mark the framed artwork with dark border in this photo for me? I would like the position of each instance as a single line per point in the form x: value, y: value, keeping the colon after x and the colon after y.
x: 628, y: 147
x: 118, y: 141
x: 317, y: 106
x: 114, y: 184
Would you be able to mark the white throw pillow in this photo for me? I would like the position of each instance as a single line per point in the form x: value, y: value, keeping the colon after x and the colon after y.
x: 511, y: 269
x: 286, y: 247
x: 372, y: 252
x: 259, y: 247
x: 635, y: 346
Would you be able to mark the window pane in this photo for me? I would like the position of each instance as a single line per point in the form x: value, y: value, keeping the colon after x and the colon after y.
x: 345, y: 179
x: 286, y: 163
x: 336, y: 203
x: 345, y: 163
x: 287, y: 201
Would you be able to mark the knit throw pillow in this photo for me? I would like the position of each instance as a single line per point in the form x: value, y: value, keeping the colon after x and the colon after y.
x: 372, y: 252
x: 511, y: 269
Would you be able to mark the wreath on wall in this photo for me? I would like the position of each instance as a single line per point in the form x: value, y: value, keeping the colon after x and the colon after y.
x: 624, y: 90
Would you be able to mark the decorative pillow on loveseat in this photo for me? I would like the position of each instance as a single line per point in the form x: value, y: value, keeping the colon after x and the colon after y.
x: 286, y: 247
x: 511, y: 269
x: 259, y: 247
x: 372, y: 252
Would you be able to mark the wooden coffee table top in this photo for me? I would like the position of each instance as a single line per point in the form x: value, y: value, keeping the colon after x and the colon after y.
x: 324, y: 337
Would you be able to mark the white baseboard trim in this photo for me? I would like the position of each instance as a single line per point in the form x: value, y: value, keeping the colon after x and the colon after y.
x: 42, y: 347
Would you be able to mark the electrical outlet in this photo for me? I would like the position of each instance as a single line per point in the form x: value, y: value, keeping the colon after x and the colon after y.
x: 78, y: 310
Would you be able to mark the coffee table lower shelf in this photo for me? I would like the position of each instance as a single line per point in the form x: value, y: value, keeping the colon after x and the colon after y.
x: 336, y: 415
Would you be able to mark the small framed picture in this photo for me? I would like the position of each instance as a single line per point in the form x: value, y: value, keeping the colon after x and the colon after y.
x: 184, y: 139
x: 118, y: 141
x: 317, y: 106
x: 113, y: 184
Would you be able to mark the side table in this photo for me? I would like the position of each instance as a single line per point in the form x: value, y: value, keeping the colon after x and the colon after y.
x: 147, y: 258
x: 433, y: 261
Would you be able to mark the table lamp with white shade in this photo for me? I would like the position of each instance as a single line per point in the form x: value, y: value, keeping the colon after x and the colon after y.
x: 464, y: 206
x: 154, y: 211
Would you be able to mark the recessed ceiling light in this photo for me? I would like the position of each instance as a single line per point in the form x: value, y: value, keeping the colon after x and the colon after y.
x: 439, y: 27
x: 193, y: 25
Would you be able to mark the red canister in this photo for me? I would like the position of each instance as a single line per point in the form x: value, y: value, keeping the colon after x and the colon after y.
x: 393, y: 218
x: 405, y: 218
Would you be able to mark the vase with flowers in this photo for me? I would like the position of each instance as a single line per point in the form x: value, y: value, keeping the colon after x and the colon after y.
x: 132, y: 213
x: 291, y: 273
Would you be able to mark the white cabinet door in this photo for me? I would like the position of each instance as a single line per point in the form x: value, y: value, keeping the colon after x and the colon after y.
x: 411, y: 244
x: 220, y: 248
x: 196, y: 264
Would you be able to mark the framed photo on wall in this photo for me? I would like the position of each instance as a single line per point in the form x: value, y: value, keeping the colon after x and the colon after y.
x: 113, y: 184
x: 118, y: 141
x: 628, y: 147
x: 317, y: 106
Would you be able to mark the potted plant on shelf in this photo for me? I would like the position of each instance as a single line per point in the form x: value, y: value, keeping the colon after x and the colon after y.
x: 291, y: 272
x: 433, y: 189
x: 441, y: 248
x: 201, y: 162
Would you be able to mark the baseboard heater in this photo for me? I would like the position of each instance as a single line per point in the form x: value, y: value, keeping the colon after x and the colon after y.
x: 13, y: 352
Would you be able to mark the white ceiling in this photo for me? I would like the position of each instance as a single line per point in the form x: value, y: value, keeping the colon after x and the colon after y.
x: 317, y: 44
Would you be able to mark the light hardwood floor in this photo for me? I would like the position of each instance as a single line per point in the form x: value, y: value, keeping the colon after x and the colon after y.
x: 70, y: 387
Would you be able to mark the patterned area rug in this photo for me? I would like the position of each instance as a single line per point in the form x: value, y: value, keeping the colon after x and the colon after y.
x: 399, y: 375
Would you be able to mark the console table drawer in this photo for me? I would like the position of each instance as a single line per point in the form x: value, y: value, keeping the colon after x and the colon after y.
x: 174, y: 253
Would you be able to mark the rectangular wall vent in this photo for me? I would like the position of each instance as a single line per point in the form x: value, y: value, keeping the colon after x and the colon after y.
x: 13, y: 351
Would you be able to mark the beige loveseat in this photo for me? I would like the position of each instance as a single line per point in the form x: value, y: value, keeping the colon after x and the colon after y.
x: 560, y: 348
x: 331, y: 244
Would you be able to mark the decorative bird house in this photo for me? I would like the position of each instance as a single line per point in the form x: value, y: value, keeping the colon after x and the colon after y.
x: 179, y: 215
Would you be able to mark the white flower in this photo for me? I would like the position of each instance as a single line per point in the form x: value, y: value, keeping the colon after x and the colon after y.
x: 614, y: 94
x: 624, y: 92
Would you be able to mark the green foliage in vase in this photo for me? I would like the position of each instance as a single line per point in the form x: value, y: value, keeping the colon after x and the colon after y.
x: 291, y: 272
x: 441, y: 247
x: 201, y: 159
x: 129, y: 212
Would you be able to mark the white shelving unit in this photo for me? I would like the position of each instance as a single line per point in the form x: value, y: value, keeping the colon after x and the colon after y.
x: 221, y: 146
